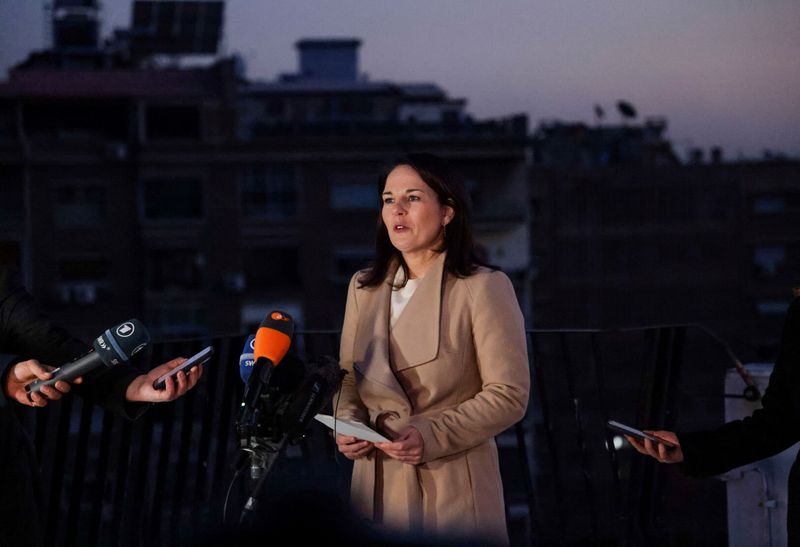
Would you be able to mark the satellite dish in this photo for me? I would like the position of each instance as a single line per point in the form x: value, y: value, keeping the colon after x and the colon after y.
x: 626, y: 109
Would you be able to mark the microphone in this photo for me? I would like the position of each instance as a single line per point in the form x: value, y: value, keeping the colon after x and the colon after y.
x: 315, y: 392
x: 114, y: 346
x: 246, y: 359
x: 271, y: 343
x: 273, y: 337
x: 282, y: 380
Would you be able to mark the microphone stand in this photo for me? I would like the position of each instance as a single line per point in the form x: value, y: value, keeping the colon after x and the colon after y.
x: 265, y: 453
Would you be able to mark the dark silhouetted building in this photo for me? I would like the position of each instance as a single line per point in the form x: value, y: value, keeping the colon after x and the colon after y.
x: 199, y: 200
x: 645, y: 240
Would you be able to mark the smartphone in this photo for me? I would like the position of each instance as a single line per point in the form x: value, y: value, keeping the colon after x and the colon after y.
x: 639, y: 434
x: 197, y: 359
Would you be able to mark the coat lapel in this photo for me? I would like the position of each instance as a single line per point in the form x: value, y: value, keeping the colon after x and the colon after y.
x: 371, y: 346
x: 416, y: 332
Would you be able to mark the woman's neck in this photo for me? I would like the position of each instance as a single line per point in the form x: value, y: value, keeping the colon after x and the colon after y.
x: 419, y: 263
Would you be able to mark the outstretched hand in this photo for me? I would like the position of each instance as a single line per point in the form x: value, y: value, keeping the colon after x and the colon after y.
x: 25, y: 372
x: 659, y: 451
x: 141, y: 388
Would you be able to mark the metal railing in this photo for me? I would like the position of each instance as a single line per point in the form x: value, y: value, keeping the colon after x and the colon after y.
x: 162, y: 479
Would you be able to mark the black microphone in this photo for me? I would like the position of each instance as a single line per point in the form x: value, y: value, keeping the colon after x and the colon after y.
x: 115, y: 346
x: 315, y: 392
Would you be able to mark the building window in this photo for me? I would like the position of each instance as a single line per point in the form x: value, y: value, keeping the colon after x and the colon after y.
x: 771, y: 307
x: 769, y: 205
x: 353, y: 196
x: 83, y: 269
x: 768, y: 260
x: 716, y: 203
x: 170, y: 269
x: 275, y: 107
x: 173, y: 122
x: 267, y: 268
x: 174, y: 321
x: 79, y: 205
x: 347, y: 261
x: 621, y: 206
x: 173, y: 199
x: 364, y: 107
x: 82, y: 281
x: 269, y: 191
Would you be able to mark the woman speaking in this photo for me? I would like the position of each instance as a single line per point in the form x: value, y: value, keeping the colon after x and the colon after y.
x: 434, y: 345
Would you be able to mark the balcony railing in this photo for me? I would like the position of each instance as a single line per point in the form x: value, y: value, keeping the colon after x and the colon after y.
x: 163, y: 479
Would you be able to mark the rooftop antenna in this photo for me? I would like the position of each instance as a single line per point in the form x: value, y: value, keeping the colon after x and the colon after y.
x: 599, y: 114
x: 47, y: 24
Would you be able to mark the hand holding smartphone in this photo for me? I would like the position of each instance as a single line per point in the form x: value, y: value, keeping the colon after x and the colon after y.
x: 197, y: 359
x: 637, y: 433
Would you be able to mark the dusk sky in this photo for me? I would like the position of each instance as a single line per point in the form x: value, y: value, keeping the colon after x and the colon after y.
x: 722, y: 72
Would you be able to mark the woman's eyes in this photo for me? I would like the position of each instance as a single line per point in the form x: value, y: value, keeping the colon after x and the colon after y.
x: 389, y: 201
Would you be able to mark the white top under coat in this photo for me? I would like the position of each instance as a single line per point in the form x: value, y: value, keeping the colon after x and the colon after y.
x: 401, y: 296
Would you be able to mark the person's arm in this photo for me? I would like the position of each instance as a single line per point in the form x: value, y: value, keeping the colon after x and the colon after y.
x: 502, y: 360
x: 770, y: 430
x: 27, y: 332
x: 347, y: 403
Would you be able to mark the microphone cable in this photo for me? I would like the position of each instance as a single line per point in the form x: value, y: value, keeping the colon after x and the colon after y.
x: 236, y: 474
x: 751, y: 392
x: 336, y: 453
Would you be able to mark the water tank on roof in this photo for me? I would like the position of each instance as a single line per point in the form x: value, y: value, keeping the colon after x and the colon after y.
x: 75, y: 25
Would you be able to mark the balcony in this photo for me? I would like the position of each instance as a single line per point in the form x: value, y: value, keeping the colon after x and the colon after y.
x: 567, y: 479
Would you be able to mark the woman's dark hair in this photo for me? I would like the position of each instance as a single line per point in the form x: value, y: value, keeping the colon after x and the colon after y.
x: 462, y: 256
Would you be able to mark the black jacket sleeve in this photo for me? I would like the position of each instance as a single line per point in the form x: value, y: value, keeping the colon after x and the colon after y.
x: 770, y: 430
x: 27, y: 334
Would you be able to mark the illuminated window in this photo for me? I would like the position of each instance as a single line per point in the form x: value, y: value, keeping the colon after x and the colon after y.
x: 354, y: 196
x: 768, y: 260
x: 769, y: 205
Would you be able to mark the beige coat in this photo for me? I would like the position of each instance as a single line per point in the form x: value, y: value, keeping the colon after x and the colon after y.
x: 454, y: 366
